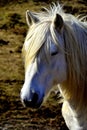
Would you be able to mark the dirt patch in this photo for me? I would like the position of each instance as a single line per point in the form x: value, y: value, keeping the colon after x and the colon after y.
x: 13, y: 28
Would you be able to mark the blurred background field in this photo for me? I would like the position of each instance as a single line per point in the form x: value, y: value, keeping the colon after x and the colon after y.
x: 13, y: 29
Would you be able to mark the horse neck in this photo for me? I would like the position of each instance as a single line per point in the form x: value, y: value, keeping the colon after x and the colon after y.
x: 77, y: 99
x: 78, y: 113
x: 74, y: 120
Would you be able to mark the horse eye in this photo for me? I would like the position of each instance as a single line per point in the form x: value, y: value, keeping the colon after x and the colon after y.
x: 53, y: 49
x: 54, y: 53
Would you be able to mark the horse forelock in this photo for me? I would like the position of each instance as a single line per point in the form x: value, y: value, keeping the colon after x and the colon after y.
x: 37, y: 33
x: 75, y: 49
x: 35, y: 39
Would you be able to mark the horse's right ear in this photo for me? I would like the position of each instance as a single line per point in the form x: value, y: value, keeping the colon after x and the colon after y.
x: 31, y: 18
x: 58, y: 22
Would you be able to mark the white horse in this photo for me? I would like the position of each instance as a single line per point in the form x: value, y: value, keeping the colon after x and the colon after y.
x: 55, y: 53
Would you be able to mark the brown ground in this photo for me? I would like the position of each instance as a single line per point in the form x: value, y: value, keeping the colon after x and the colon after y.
x: 13, y: 28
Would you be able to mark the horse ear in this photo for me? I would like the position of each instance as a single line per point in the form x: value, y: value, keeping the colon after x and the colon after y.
x: 31, y: 18
x: 58, y: 22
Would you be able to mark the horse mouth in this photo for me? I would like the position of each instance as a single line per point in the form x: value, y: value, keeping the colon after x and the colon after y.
x: 31, y: 104
x: 33, y: 100
x: 34, y: 103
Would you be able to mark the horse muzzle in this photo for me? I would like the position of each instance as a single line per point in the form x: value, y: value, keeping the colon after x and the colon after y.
x: 33, y: 100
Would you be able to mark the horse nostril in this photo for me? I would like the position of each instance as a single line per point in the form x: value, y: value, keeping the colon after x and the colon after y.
x: 27, y: 103
x: 32, y: 102
x: 35, y: 98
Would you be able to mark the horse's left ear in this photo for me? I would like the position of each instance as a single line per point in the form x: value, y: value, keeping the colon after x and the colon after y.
x: 31, y: 18
x: 58, y: 22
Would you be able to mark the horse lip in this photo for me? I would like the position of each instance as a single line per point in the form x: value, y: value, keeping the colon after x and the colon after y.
x: 34, y: 106
x: 38, y: 105
x: 30, y: 104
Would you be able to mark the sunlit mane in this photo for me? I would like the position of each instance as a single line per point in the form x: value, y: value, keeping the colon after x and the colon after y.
x: 75, y: 49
